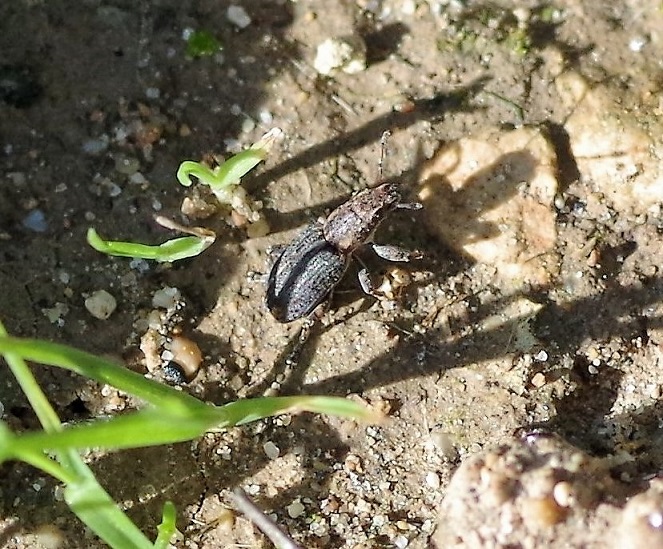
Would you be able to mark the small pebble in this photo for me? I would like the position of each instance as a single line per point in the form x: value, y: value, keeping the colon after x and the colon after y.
x: 401, y: 542
x: 265, y: 117
x: 187, y: 355
x: 237, y: 16
x: 166, y: 298
x: 444, y: 445
x: 35, y: 221
x: 563, y: 494
x: 126, y: 165
x: 101, y: 304
x: 271, y: 450
x: 538, y: 380
x: 295, y: 509
x: 137, y: 179
x: 636, y: 44
x: 95, y: 146
x: 49, y: 536
x: 432, y: 480
x: 347, y: 53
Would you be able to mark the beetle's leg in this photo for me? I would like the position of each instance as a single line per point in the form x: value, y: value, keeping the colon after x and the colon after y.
x: 254, y: 277
x: 302, y: 338
x: 409, y: 206
x: 367, y: 285
x: 274, y: 251
x: 394, y: 253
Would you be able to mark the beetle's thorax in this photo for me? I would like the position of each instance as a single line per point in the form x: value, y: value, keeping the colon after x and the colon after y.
x: 353, y: 223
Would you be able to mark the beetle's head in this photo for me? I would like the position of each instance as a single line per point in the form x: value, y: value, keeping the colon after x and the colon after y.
x: 386, y: 196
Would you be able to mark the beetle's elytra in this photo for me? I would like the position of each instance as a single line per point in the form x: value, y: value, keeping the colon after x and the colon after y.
x: 309, y: 268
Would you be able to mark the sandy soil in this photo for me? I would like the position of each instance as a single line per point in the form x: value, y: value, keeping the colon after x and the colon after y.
x: 532, y: 134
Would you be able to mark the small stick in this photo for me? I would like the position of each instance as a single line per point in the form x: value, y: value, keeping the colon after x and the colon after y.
x: 264, y: 523
x: 383, y: 152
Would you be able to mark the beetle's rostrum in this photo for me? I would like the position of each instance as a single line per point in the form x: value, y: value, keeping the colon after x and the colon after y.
x: 308, y: 269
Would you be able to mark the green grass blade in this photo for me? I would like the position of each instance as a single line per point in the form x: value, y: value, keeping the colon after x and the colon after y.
x: 45, y: 413
x: 99, y: 512
x: 171, y: 250
x: 245, y: 411
x: 99, y: 369
x: 151, y: 427
x: 104, y: 518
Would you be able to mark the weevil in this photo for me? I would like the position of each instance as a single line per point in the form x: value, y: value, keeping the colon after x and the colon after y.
x: 310, y: 267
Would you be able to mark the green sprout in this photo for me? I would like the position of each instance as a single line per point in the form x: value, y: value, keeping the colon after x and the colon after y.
x: 225, y: 179
x: 202, y: 44
x: 171, y: 250
x: 170, y: 416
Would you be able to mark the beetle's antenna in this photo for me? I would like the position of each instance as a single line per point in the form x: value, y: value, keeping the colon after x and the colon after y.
x: 383, y: 152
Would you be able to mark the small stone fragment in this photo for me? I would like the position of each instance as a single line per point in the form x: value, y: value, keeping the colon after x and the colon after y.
x: 295, y: 509
x: 101, y: 304
x: 96, y: 146
x: 346, y: 53
x: 238, y: 16
x: 491, y: 197
x: 615, y: 150
x: 187, y: 355
x: 271, y: 450
x: 538, y: 380
x: 35, y: 221
x: 432, y: 480
x: 166, y: 298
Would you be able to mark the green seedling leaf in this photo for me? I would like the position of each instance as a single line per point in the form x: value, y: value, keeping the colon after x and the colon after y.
x: 232, y: 170
x: 202, y: 44
x: 172, y: 250
x: 167, y: 528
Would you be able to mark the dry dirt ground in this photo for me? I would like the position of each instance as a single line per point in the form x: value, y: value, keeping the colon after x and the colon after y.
x: 532, y: 134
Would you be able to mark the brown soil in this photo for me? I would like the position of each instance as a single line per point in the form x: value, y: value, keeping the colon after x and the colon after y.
x: 100, y: 104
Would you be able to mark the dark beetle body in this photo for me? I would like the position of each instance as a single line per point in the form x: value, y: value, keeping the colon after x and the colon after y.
x: 311, y: 266
x: 304, y: 274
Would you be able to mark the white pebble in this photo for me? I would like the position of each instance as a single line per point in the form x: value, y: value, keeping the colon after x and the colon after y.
x: 271, y: 450
x: 265, y: 117
x: 137, y: 178
x: 346, y: 53
x: 432, y: 480
x: 237, y: 16
x: 401, y: 542
x: 295, y: 509
x: 166, y: 298
x: 101, y: 304
x: 636, y: 44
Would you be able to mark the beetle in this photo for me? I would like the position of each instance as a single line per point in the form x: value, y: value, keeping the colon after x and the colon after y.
x: 309, y: 268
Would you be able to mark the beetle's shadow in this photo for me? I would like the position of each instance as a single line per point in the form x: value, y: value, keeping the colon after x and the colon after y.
x: 431, y: 109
